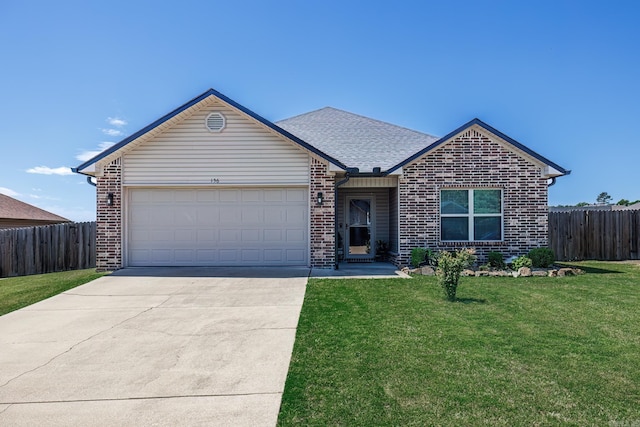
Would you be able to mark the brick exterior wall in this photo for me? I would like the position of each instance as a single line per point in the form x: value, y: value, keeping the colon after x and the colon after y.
x: 322, y: 228
x: 109, y: 219
x: 472, y: 160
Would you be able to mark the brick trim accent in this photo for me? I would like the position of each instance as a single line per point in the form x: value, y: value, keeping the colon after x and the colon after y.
x: 322, y: 217
x: 472, y: 160
x: 109, y: 218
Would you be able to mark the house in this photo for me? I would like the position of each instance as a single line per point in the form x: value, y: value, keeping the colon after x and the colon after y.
x: 17, y: 214
x: 214, y: 184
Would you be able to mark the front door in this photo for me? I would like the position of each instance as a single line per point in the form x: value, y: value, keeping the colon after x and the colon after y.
x: 360, y: 228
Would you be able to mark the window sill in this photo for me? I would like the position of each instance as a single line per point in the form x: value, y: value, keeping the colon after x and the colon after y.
x: 472, y: 243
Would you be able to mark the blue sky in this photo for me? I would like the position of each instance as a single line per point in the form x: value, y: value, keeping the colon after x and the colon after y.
x: 561, y: 77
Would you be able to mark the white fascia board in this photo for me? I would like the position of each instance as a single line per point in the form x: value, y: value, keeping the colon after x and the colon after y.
x: 89, y: 170
x: 550, y: 172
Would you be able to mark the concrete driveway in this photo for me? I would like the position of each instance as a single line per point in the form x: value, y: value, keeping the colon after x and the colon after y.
x: 171, y: 347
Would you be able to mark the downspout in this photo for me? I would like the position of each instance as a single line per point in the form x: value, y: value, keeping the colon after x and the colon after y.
x: 347, y: 176
x: 553, y: 181
x: 91, y: 182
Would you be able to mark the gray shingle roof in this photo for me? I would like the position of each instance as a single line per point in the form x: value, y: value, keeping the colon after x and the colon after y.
x: 355, y: 140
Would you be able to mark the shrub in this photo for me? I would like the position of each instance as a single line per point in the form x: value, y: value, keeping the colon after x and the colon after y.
x: 418, y: 256
x: 450, y: 265
x: 495, y: 260
x: 542, y: 257
x: 522, y: 261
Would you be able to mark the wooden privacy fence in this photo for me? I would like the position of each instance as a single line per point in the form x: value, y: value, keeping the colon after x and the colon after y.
x: 598, y: 235
x: 36, y: 250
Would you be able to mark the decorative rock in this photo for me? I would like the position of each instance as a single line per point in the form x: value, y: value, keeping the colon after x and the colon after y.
x: 481, y: 273
x: 427, y: 271
x: 524, y: 272
x: 539, y: 273
x: 553, y: 273
x: 566, y: 272
x: 467, y: 273
x: 498, y: 273
x: 577, y: 271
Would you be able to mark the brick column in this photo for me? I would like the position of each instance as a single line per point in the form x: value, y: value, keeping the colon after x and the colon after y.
x: 109, y: 218
x: 322, y: 235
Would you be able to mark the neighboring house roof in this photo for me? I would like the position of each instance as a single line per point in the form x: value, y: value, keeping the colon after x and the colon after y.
x: 355, y: 140
x: 344, y: 139
x: 11, y: 208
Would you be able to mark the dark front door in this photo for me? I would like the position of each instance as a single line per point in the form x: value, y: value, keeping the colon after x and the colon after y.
x: 359, y: 242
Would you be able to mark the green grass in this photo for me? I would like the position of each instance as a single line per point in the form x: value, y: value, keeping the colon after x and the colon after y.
x: 527, y: 351
x: 18, y: 292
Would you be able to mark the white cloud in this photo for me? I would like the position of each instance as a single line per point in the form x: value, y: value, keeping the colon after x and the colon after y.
x: 117, y: 122
x: 89, y: 154
x: 112, y: 132
x: 46, y: 170
x: 8, y: 192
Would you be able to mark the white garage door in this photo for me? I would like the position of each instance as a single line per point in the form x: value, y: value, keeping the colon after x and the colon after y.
x: 217, y: 227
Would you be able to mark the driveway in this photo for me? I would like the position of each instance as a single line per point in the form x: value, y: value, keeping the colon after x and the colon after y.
x: 171, y: 346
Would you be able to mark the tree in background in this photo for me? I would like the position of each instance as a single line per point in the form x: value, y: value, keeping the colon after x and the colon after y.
x: 603, y: 198
x: 625, y: 202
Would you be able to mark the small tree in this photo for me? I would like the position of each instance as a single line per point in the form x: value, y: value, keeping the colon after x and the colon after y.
x: 603, y: 198
x: 450, y: 265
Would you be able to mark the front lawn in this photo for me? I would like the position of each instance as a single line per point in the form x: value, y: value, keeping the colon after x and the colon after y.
x: 526, y: 351
x: 18, y: 292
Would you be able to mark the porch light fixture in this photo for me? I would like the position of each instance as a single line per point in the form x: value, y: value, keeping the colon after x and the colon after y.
x: 320, y: 198
x: 110, y: 199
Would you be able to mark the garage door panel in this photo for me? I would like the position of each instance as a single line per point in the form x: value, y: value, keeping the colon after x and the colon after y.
x: 160, y: 196
x: 296, y: 195
x: 206, y: 255
x: 251, y: 215
x: 229, y: 256
x: 229, y: 196
x: 272, y: 236
x: 217, y: 227
x: 295, y: 236
x: 271, y: 196
x: 296, y: 255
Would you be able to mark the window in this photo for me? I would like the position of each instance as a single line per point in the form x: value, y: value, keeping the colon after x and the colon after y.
x: 471, y: 215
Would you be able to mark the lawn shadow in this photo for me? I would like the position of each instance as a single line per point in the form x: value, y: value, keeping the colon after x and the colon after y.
x: 589, y: 270
x: 471, y: 300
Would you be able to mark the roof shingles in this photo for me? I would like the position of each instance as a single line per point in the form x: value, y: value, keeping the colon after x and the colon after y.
x: 11, y: 208
x: 355, y: 140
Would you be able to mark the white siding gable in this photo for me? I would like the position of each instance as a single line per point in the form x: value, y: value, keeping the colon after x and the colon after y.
x: 245, y: 152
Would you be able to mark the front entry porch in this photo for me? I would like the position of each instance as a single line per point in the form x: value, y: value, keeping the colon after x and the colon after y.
x: 367, y: 221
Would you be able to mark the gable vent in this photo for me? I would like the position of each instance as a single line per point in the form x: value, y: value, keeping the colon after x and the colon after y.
x: 215, y: 122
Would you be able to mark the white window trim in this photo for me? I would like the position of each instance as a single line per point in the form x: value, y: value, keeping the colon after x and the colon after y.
x: 471, y: 215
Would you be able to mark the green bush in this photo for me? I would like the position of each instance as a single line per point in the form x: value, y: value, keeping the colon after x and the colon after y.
x: 495, y: 260
x: 450, y: 265
x: 522, y: 261
x: 418, y: 256
x: 542, y: 257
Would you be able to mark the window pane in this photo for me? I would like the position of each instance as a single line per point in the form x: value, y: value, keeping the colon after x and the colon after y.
x: 454, y: 228
x: 454, y: 201
x: 487, y: 228
x: 486, y: 202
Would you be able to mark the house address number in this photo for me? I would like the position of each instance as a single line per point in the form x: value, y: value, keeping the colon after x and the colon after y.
x: 215, y: 181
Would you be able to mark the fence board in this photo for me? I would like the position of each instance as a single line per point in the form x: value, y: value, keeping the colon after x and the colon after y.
x: 598, y: 235
x: 37, y: 250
